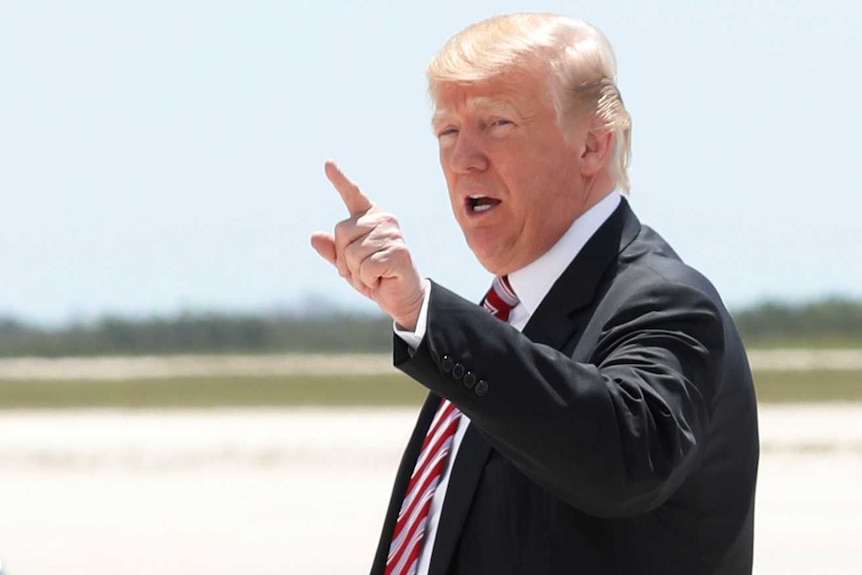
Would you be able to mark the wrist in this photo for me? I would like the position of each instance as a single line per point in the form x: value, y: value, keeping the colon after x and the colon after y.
x: 408, y: 320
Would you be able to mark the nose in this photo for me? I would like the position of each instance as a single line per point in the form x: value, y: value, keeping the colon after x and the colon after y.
x: 467, y: 154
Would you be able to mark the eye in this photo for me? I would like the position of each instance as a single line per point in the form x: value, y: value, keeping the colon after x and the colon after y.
x: 446, y: 132
x: 446, y: 137
x: 499, y: 127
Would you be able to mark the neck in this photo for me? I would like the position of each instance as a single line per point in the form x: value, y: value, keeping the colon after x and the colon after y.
x: 596, y: 189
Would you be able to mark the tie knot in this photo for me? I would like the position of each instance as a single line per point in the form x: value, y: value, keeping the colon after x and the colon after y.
x: 500, y: 299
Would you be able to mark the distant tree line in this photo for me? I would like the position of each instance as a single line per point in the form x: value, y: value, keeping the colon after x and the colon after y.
x: 201, y: 333
x: 832, y: 321
x: 835, y: 322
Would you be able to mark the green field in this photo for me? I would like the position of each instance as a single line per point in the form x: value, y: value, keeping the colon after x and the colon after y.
x: 823, y: 342
x: 337, y: 390
x: 211, y: 392
x: 808, y: 386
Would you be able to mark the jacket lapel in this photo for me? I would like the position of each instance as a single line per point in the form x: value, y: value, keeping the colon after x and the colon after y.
x: 556, y: 320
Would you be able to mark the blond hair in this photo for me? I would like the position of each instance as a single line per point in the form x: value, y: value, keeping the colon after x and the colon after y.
x: 579, y: 59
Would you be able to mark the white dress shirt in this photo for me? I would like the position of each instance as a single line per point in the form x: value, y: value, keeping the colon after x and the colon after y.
x: 531, y: 284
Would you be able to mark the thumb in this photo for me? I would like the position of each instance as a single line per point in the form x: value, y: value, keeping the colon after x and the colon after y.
x: 324, y: 244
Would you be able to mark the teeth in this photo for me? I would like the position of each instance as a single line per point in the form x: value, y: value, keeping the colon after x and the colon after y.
x: 483, y: 208
x: 477, y: 196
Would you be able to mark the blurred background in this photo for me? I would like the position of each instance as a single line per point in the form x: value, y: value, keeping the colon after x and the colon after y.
x: 186, y: 387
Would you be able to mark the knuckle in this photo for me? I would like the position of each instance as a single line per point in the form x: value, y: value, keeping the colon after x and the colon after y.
x: 343, y: 268
x: 353, y: 252
x: 399, y: 250
x: 342, y: 230
x: 352, y: 266
x: 374, y: 263
x: 367, y: 277
x: 378, y: 219
x: 388, y: 219
x: 361, y: 284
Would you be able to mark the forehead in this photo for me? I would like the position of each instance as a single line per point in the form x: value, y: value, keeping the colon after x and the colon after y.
x: 475, y: 104
x: 522, y: 93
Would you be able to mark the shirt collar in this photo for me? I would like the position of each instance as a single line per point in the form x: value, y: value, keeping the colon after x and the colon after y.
x: 533, y: 281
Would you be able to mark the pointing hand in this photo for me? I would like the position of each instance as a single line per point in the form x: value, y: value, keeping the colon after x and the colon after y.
x: 369, y: 251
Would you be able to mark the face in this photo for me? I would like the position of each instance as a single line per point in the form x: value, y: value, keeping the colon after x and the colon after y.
x: 514, y: 180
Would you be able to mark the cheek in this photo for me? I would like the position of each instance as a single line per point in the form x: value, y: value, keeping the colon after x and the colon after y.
x: 441, y: 155
x: 445, y: 165
x: 537, y: 197
x: 451, y: 186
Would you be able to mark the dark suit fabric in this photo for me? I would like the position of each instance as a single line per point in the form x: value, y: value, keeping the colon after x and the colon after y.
x: 616, y: 435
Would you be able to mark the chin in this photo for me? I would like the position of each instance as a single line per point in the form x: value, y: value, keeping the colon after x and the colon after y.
x: 487, y: 252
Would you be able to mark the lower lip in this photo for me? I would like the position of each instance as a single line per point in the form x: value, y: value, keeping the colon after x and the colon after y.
x: 479, y: 213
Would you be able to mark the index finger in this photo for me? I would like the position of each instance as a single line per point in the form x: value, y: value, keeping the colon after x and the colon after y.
x: 357, y: 203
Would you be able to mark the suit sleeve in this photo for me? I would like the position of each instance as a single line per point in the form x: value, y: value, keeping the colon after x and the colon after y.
x: 612, y: 437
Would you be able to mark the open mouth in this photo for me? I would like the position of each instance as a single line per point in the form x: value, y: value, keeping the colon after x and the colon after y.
x: 477, y: 203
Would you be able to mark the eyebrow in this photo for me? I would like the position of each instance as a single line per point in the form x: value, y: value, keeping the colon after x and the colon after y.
x: 480, y: 103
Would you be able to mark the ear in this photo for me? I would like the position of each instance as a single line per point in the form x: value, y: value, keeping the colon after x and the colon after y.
x: 598, y: 145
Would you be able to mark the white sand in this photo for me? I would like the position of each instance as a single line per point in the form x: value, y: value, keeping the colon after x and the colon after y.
x: 278, y: 491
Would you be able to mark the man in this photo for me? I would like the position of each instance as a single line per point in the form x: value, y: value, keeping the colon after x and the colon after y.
x: 601, y: 419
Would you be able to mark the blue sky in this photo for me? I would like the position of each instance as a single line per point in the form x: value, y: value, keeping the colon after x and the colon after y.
x: 168, y: 155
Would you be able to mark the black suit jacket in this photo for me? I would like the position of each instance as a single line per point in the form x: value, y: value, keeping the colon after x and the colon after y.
x: 617, y: 434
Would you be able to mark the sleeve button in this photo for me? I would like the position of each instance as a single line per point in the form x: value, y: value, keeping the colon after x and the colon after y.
x: 469, y: 380
x: 446, y: 364
x: 481, y: 388
x: 458, y: 371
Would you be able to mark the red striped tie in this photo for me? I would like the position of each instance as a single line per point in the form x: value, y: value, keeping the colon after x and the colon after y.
x: 500, y: 299
x: 413, y: 517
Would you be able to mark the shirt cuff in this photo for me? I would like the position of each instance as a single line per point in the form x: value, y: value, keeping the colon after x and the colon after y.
x: 414, y: 338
